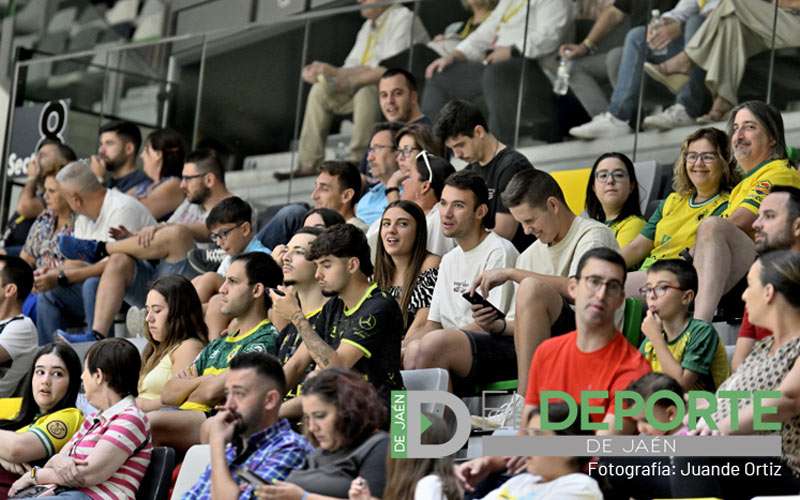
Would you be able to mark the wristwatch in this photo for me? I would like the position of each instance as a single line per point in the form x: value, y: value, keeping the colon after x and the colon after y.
x: 62, y: 279
x: 392, y: 190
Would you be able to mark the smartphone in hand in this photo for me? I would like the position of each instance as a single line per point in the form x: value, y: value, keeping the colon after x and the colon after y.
x: 251, y: 477
x: 478, y: 299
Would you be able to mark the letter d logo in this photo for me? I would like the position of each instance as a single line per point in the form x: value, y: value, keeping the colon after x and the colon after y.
x: 408, y: 424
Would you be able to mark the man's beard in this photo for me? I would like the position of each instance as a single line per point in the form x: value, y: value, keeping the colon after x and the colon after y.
x: 782, y: 241
x: 113, y: 164
x: 200, y: 196
x: 329, y: 293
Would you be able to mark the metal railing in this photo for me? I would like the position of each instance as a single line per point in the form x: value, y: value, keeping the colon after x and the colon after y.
x: 97, y: 89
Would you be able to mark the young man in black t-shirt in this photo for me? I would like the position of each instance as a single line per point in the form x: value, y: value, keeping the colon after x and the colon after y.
x: 299, y: 273
x: 361, y: 326
x: 462, y: 127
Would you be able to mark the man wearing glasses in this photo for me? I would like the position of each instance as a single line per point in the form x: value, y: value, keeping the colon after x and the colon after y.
x: 382, y: 159
x: 127, y: 270
x: 596, y: 355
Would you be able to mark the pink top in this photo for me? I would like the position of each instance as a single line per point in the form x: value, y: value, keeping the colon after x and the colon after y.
x: 127, y: 428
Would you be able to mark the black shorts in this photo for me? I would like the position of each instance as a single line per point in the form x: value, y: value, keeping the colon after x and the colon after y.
x: 493, y: 359
x: 565, y: 322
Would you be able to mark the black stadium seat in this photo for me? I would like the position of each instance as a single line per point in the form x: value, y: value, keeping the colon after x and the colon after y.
x: 157, y: 479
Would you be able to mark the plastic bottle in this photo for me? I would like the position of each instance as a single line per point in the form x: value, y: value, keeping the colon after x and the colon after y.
x: 561, y: 85
x: 656, y: 23
x: 341, y: 151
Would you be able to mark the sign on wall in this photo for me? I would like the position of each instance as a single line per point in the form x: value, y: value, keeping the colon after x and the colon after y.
x: 32, y: 125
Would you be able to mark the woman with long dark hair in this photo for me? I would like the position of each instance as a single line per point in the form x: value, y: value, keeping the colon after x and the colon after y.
x: 417, y: 478
x: 47, y: 418
x: 162, y: 157
x: 108, y: 456
x: 175, y: 332
x: 403, y: 265
x: 612, y: 196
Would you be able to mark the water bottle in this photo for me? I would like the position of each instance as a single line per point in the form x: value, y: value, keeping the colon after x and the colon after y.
x: 655, y: 24
x: 561, y: 85
x: 341, y: 151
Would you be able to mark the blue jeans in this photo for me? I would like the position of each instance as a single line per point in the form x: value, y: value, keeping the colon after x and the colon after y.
x: 65, y: 306
x: 626, y: 94
x: 280, y: 229
x: 694, y: 96
x: 68, y: 495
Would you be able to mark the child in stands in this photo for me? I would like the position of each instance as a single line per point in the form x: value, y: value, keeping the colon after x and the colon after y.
x: 684, y: 348
x: 548, y: 477
x: 664, y: 410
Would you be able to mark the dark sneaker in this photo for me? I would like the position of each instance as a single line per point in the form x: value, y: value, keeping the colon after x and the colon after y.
x: 77, y: 249
x: 205, y: 261
x: 74, y: 338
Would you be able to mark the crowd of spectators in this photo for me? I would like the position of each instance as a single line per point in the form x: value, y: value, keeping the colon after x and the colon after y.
x: 279, y: 345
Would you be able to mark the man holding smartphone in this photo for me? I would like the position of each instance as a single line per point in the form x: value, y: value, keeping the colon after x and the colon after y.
x: 246, y: 434
x: 469, y: 341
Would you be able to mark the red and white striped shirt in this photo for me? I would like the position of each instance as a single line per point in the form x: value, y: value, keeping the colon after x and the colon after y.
x: 127, y: 428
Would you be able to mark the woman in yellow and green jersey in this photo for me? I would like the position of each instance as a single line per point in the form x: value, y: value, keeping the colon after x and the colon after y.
x: 702, y: 180
x: 612, y: 196
x: 47, y: 418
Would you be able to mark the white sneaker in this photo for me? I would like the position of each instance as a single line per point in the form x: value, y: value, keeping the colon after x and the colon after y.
x: 134, y: 321
x: 602, y: 125
x: 673, y: 117
x: 509, y: 415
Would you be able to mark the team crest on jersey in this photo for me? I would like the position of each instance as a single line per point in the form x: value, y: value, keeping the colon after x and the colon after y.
x: 763, y: 188
x: 367, y: 323
x: 57, y: 429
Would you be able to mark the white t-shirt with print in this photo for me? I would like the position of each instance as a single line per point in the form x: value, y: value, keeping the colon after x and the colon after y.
x: 118, y: 209
x: 529, y: 487
x: 459, y: 269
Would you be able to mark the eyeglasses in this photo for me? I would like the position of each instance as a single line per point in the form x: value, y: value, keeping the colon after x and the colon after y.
x: 406, y: 151
x: 706, y: 157
x: 222, y: 233
x: 658, y: 290
x: 595, y: 283
x: 190, y: 177
x: 378, y: 147
x: 605, y: 176
x: 424, y: 155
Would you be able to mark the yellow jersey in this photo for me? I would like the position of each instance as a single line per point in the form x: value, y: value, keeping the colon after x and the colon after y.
x: 752, y: 190
x: 627, y: 229
x: 55, y: 429
x: 697, y: 349
x: 673, y: 226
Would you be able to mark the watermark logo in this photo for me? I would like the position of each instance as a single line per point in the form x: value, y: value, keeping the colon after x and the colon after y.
x: 408, y: 423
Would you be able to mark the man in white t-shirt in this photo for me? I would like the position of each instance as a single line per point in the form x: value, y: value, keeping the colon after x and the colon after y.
x: 543, y: 305
x: 129, y: 270
x: 351, y: 88
x: 457, y: 335
x: 66, y: 291
x: 18, y: 338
